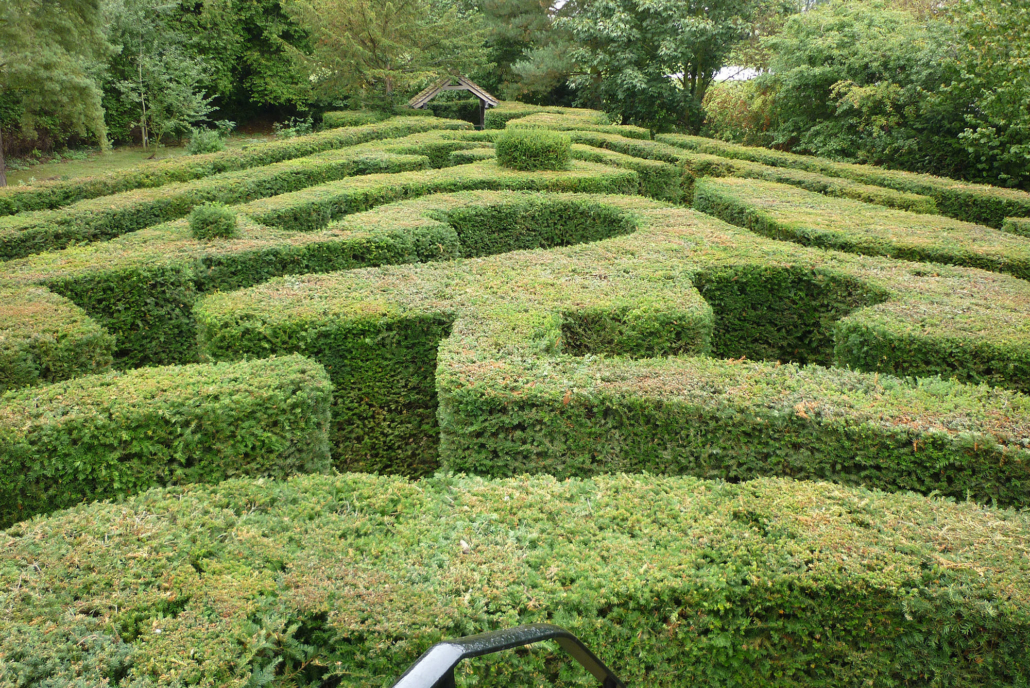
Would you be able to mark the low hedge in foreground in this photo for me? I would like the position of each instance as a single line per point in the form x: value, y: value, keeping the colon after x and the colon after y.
x: 671, y: 581
x: 979, y: 203
x: 518, y: 362
x: 786, y: 212
x: 1017, y: 225
x: 46, y: 338
x: 110, y: 216
x: 103, y: 436
x: 48, y: 195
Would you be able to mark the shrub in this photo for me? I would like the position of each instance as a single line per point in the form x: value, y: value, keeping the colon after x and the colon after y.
x: 102, y: 436
x: 986, y: 205
x: 352, y: 118
x: 59, y: 193
x: 46, y: 338
x: 533, y: 149
x: 293, y: 127
x: 213, y: 221
x: 1017, y: 225
x: 205, y: 141
x: 792, y: 214
x: 528, y: 361
x: 347, y: 579
x: 104, y: 218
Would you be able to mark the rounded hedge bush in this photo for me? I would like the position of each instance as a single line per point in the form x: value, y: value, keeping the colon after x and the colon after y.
x: 533, y: 149
x: 213, y: 221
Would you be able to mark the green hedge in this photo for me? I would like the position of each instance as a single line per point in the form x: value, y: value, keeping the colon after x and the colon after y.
x: 213, y: 221
x: 391, y: 361
x: 104, y: 436
x: 352, y: 118
x: 987, y: 205
x: 141, y: 287
x: 110, y: 216
x: 791, y: 214
x: 532, y: 150
x: 432, y: 145
x: 48, y: 195
x: 45, y: 338
x: 316, y: 206
x: 658, y: 179
x: 1017, y: 225
x: 704, y: 165
x: 498, y: 117
x: 546, y: 120
x: 512, y: 356
x: 671, y: 581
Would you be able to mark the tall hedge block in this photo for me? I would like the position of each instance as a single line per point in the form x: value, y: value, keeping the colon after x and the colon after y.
x: 100, y: 437
x: 532, y: 150
x: 46, y: 338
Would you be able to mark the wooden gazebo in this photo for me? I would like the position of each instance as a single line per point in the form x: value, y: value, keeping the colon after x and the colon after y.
x: 456, y: 82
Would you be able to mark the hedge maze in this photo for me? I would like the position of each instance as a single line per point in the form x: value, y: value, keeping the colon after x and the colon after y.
x: 289, y: 415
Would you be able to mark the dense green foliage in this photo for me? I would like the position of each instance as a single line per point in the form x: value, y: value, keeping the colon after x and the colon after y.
x: 394, y: 300
x: 670, y: 580
x: 60, y: 193
x: 98, y: 437
x: 213, y: 221
x: 943, y: 92
x: 987, y: 205
x: 499, y: 345
x: 533, y: 149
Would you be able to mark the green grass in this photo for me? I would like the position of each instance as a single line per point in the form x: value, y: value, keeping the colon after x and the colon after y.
x: 91, y: 162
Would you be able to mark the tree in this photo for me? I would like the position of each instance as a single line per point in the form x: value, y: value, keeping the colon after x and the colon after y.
x: 651, y: 61
x: 49, y: 58
x: 377, y: 50
x: 156, y: 78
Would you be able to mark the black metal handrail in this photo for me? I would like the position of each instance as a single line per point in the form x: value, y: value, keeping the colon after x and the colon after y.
x: 435, y: 668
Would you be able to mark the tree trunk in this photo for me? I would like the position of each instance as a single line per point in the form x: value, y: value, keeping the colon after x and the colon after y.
x: 3, y: 162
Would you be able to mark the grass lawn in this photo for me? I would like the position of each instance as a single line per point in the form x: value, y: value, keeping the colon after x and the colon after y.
x: 87, y: 162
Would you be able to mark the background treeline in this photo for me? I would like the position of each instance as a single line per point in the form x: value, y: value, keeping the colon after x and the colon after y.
x: 939, y: 86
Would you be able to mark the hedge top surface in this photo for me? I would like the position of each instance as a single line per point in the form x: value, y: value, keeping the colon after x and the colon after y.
x: 669, y: 579
x: 498, y: 116
x: 557, y: 122
x: 937, y: 301
x: 980, y: 203
x: 793, y: 214
x: 44, y: 195
x: 116, y: 394
x: 533, y: 149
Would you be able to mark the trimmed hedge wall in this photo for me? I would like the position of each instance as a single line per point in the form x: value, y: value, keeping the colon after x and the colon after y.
x: 390, y: 359
x: 492, y: 349
x: 672, y: 581
x: 498, y: 117
x: 46, y: 338
x: 696, y: 165
x: 546, y: 120
x: 987, y: 205
x: 791, y: 214
x: 704, y: 165
x: 658, y: 179
x: 1017, y: 225
x: 316, y: 206
x: 48, y: 195
x: 104, y: 436
x: 531, y: 150
x: 110, y: 216
x: 352, y: 118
